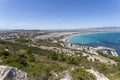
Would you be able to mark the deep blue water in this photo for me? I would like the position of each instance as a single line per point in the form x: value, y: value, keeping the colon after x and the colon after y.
x: 111, y: 40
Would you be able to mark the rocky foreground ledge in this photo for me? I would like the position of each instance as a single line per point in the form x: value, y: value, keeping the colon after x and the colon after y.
x: 12, y: 73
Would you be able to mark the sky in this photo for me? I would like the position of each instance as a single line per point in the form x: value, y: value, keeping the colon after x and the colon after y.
x: 58, y: 14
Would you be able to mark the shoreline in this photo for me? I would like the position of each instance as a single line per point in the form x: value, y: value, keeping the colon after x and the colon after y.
x: 65, y: 40
x: 77, y: 34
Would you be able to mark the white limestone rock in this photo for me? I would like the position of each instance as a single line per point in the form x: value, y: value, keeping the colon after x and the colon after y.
x: 12, y: 73
x: 98, y: 75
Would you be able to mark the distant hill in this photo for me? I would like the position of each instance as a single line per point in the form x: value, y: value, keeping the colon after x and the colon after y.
x: 111, y: 28
x: 107, y: 28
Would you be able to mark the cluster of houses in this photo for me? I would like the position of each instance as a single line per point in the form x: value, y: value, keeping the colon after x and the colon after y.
x: 14, y: 34
x: 92, y: 50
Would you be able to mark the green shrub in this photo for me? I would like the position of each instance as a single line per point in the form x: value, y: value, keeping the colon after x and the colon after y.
x: 81, y: 74
x: 16, y: 61
x: 30, y: 58
x: 4, y: 53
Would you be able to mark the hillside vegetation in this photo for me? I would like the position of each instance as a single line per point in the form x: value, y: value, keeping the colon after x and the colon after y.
x: 43, y: 64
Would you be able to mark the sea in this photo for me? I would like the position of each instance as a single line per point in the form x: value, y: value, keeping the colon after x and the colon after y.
x: 109, y: 39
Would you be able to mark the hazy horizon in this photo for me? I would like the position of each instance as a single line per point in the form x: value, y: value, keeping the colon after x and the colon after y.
x: 58, y: 14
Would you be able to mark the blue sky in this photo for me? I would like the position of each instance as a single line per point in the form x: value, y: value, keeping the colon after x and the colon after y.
x: 58, y: 14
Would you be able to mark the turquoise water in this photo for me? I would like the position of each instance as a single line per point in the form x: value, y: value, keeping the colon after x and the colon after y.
x: 111, y: 40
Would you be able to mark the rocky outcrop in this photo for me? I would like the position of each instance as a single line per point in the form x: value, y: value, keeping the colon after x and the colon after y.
x: 12, y: 73
x: 98, y: 75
